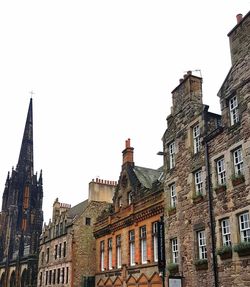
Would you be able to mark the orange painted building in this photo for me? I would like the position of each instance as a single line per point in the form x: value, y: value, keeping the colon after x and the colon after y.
x: 126, y: 233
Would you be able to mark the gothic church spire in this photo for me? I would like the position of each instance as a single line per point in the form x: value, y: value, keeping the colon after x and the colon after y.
x: 25, y: 162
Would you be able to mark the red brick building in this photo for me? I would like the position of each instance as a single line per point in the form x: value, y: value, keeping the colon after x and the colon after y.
x: 126, y: 234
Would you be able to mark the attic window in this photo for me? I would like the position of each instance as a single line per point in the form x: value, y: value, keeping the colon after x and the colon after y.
x: 87, y: 221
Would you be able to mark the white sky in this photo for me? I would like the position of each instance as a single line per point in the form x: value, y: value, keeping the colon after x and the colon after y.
x: 102, y: 71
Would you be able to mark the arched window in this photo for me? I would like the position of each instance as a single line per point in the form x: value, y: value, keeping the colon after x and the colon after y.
x: 13, y: 279
x: 24, y: 278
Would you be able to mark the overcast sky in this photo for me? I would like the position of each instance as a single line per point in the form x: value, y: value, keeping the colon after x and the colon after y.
x: 102, y: 72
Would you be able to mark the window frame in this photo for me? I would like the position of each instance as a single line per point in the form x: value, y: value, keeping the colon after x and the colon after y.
x: 132, y: 247
x: 110, y: 253
x: 244, y: 226
x: 198, y: 182
x: 196, y: 138
x: 225, y: 232
x: 221, y: 171
x: 238, y: 161
x: 173, y: 196
x: 155, y: 240
x: 202, y: 246
x: 102, y: 250
x: 143, y: 244
x: 118, y: 252
x: 233, y: 110
x: 175, y: 250
x: 172, y: 152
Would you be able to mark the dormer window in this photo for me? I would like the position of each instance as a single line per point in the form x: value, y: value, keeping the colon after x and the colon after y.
x: 234, y: 111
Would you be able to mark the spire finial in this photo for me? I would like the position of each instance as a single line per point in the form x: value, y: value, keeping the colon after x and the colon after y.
x: 31, y: 94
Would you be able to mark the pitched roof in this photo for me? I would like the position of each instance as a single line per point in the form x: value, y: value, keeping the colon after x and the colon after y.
x: 77, y: 209
x: 147, y: 176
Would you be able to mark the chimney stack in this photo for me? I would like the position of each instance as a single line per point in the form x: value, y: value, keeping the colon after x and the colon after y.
x: 239, y: 18
x: 128, y: 153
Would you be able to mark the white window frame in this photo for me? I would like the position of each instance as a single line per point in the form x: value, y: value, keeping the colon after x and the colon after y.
x: 234, y: 110
x: 221, y: 172
x: 155, y: 240
x: 201, y: 237
x: 226, y: 232
x: 143, y: 239
x: 196, y: 139
x: 244, y: 223
x: 102, y: 255
x: 132, y: 247
x: 118, y: 252
x: 171, y: 149
x: 173, y: 197
x: 110, y: 253
x: 238, y: 161
x: 198, y: 182
x: 175, y: 251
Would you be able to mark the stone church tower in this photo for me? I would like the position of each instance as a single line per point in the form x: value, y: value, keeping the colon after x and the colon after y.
x: 21, y: 217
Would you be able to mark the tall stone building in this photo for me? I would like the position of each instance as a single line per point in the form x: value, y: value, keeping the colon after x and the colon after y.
x: 229, y: 157
x: 21, y: 217
x: 126, y: 235
x: 206, y: 177
x: 67, y: 244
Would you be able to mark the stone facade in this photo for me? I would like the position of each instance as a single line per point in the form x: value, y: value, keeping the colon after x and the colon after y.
x: 126, y: 234
x: 206, y: 177
x: 67, y: 244
x: 229, y: 155
x: 186, y: 197
x: 21, y: 217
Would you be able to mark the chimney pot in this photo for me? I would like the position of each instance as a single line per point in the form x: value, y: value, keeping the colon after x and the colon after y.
x: 181, y: 80
x: 239, y: 18
x: 185, y: 76
x: 189, y: 72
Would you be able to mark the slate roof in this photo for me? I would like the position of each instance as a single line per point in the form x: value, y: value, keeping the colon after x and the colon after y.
x: 77, y: 209
x: 147, y: 175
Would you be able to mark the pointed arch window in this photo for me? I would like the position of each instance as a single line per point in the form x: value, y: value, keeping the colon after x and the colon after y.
x: 26, y: 197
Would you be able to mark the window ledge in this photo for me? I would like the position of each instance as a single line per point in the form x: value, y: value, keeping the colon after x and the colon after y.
x: 198, y: 198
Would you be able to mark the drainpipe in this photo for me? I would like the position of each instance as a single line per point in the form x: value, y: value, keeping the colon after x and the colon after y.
x: 210, y: 197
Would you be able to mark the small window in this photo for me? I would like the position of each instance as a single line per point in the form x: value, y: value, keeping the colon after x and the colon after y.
x: 56, y: 249
x: 110, y: 253
x: 143, y: 239
x: 221, y: 172
x: 118, y: 252
x: 238, y: 161
x: 64, y: 248
x: 234, y: 111
x: 58, y: 275
x: 132, y: 247
x: 196, y: 139
x: 175, y: 253
x: 155, y: 240
x: 202, y: 248
x: 244, y: 223
x: 225, y: 232
x: 173, y: 197
x: 171, y: 149
x: 60, y: 250
x: 47, y: 255
x: 102, y: 255
x: 87, y: 221
x: 198, y: 182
